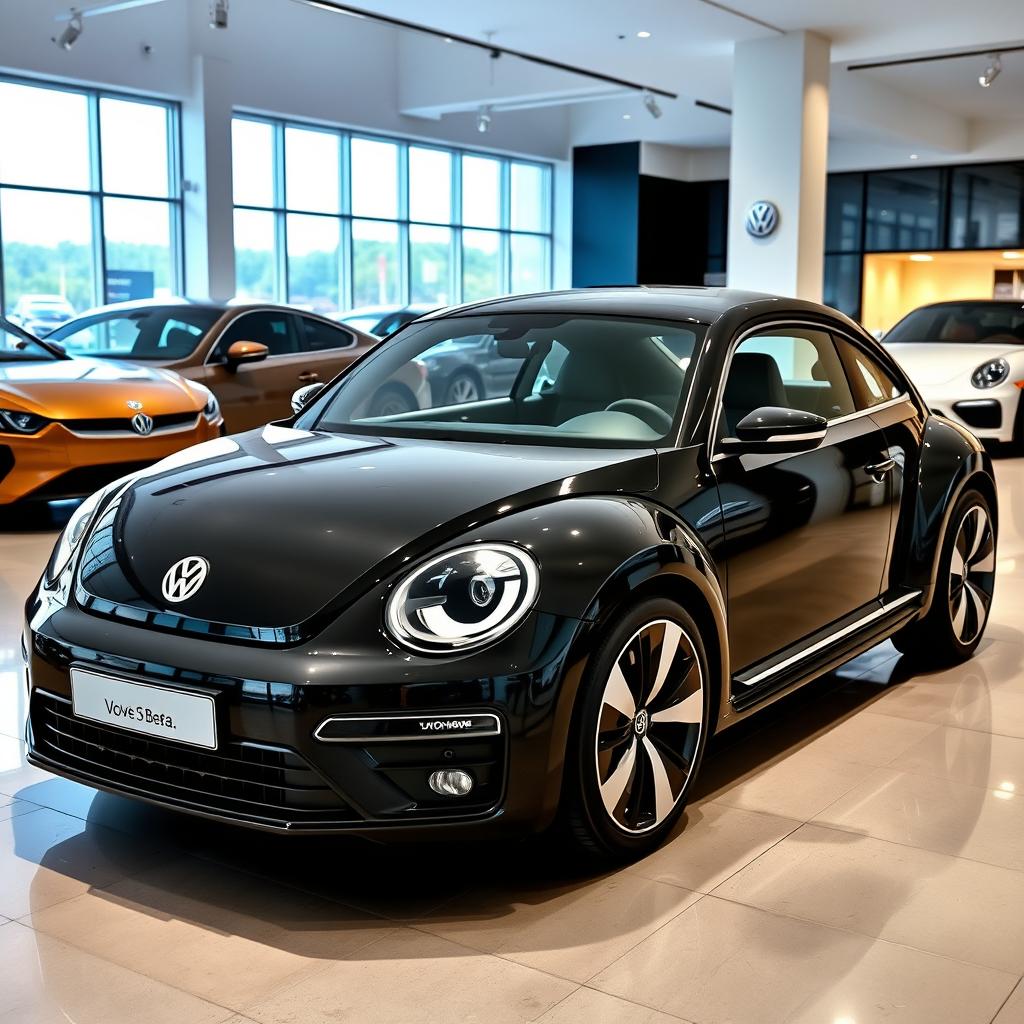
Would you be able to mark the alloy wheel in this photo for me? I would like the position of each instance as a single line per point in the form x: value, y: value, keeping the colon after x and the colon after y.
x: 649, y: 726
x: 972, y: 575
x: 463, y: 389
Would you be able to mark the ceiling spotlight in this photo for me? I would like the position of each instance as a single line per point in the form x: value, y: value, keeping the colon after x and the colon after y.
x: 71, y: 32
x: 627, y: 117
x: 652, y: 105
x: 219, y: 14
x: 913, y: 156
x: 995, y: 65
x: 483, y: 119
x: 643, y: 35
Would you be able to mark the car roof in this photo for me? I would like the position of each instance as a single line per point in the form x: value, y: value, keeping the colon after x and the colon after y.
x: 1015, y: 303
x: 171, y: 302
x: 668, y: 302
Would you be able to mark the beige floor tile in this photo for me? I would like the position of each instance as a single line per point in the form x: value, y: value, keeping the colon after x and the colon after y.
x: 958, y: 908
x: 47, y: 857
x: 573, y: 931
x: 17, y: 776
x: 194, y: 924
x: 969, y: 756
x: 934, y: 814
x: 869, y: 738
x: 587, y: 1006
x: 414, y: 978
x: 716, y: 842
x: 50, y: 982
x: 11, y: 808
x: 721, y: 962
x: 797, y: 786
x: 1013, y: 1009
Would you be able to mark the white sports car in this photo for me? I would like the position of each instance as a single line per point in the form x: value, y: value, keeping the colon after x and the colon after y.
x: 967, y: 360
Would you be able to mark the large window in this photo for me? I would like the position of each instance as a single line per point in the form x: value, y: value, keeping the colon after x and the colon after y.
x: 90, y: 201
x: 332, y: 220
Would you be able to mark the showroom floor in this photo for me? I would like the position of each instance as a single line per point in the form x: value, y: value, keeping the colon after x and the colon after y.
x: 856, y: 857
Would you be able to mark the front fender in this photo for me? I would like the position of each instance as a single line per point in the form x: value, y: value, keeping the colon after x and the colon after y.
x: 951, y: 459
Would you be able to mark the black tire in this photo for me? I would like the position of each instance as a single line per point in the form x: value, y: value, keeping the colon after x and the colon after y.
x: 945, y: 636
x: 463, y: 386
x: 392, y: 400
x: 595, y: 828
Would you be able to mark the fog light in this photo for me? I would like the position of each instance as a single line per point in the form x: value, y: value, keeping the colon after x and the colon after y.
x: 451, y: 782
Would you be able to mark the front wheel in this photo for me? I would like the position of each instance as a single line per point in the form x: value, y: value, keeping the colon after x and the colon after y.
x: 639, y: 733
x: 953, y: 628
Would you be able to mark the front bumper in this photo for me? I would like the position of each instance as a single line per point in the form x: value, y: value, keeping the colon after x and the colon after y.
x: 273, y: 770
x: 59, y: 463
x: 990, y: 414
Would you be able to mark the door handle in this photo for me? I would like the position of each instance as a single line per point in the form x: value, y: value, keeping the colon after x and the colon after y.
x: 878, y: 469
x: 309, y: 376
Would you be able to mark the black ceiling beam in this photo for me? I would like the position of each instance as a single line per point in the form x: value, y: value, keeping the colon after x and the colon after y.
x: 492, y: 48
x: 987, y: 52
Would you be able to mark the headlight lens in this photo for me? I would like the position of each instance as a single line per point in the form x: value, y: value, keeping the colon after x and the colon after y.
x: 463, y: 599
x: 989, y: 374
x: 211, y: 410
x: 21, y: 422
x: 74, y: 532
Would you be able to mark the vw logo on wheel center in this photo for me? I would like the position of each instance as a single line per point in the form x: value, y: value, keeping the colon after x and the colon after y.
x: 762, y: 218
x: 184, y: 578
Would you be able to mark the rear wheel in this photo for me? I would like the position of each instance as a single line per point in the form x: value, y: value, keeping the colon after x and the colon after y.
x: 955, y: 623
x: 462, y: 388
x: 639, y: 734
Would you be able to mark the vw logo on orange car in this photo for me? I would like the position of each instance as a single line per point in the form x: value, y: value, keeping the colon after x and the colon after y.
x: 184, y: 578
x: 142, y: 424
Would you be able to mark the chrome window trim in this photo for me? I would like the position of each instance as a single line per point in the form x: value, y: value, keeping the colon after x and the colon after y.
x: 714, y: 452
x: 831, y: 638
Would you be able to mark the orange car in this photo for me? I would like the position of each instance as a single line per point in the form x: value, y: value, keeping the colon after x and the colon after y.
x: 68, y: 426
x: 252, y: 357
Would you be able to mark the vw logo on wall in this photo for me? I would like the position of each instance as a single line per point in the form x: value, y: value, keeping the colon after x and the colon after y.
x: 762, y: 218
x: 184, y: 578
x: 142, y: 424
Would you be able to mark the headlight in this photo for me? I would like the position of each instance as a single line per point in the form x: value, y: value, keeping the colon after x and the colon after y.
x: 211, y: 410
x: 21, y: 422
x: 74, y: 532
x: 463, y: 599
x: 989, y: 374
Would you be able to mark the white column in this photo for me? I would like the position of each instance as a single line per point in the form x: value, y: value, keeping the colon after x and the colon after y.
x: 206, y: 159
x: 779, y: 153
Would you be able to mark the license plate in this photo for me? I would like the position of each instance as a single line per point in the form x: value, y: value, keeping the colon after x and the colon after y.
x: 145, y: 708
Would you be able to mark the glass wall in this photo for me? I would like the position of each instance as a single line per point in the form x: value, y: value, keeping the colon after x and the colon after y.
x: 90, y: 201
x: 333, y: 220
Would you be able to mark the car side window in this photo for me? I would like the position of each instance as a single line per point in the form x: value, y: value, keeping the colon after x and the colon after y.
x: 318, y: 336
x: 790, y: 368
x: 872, y: 385
x: 270, y: 328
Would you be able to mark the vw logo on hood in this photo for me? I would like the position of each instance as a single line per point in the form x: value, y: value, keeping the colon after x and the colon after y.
x: 142, y: 424
x: 762, y: 218
x: 184, y: 578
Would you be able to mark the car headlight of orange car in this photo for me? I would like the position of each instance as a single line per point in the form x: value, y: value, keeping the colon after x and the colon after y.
x: 16, y: 422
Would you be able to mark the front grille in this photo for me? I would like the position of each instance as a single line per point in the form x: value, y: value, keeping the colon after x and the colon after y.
x: 124, y: 426
x: 247, y: 781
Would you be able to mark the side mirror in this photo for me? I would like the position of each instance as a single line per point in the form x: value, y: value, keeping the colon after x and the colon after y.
x: 302, y: 397
x: 771, y: 429
x: 245, y: 352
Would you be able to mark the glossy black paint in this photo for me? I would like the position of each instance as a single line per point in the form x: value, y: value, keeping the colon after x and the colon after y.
x: 307, y: 533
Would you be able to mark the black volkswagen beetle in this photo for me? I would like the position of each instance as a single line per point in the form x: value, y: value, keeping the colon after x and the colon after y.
x: 519, y: 610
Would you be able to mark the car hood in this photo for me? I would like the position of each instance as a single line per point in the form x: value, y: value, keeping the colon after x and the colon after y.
x: 83, y: 388
x: 944, y: 362
x: 292, y: 522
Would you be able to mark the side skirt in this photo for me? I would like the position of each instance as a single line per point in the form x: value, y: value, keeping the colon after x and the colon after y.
x: 824, y: 650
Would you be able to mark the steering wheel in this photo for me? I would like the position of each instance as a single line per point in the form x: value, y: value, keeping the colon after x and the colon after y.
x: 656, y: 418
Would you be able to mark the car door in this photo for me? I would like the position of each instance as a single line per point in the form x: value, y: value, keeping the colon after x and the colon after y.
x: 329, y: 349
x: 253, y: 393
x: 806, y: 535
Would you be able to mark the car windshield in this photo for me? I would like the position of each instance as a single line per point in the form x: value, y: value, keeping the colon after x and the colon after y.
x: 16, y: 347
x: 147, y: 332
x: 1000, y: 323
x: 554, y: 379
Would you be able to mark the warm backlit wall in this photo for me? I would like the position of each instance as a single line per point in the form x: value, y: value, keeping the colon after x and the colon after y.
x: 894, y: 285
